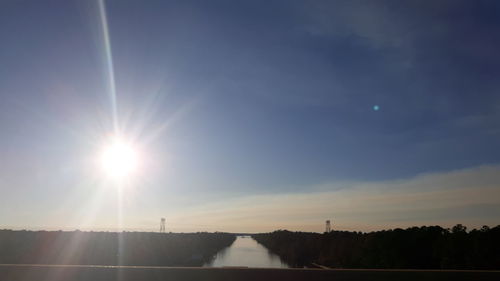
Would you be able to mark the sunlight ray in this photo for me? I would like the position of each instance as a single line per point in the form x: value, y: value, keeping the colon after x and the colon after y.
x: 112, y: 94
x: 109, y: 64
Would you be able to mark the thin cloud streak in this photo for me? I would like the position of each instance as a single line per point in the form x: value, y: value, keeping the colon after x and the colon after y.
x: 462, y: 196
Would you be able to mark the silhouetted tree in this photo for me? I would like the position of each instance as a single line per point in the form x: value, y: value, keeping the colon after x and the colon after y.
x: 110, y: 248
x: 426, y: 247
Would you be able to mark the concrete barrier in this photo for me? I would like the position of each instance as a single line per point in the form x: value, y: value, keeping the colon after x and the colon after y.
x: 138, y: 273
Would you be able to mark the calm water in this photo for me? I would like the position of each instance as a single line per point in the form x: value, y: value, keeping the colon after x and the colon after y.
x: 246, y: 252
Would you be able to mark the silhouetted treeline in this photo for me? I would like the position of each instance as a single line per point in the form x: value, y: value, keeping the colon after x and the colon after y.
x: 110, y: 248
x: 431, y: 247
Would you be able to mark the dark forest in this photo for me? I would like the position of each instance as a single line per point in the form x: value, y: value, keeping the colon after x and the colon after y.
x: 110, y: 248
x: 426, y: 247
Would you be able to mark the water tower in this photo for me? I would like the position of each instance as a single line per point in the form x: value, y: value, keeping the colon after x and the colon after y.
x: 328, y: 227
x: 162, y: 225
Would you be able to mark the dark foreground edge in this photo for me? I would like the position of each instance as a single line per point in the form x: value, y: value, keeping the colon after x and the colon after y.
x: 133, y: 273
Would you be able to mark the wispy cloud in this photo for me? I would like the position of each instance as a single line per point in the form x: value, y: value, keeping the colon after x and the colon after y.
x: 470, y: 196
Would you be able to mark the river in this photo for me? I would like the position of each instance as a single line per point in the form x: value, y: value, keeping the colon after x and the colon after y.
x: 245, y: 251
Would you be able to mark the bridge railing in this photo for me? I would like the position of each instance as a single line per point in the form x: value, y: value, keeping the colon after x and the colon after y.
x: 131, y: 273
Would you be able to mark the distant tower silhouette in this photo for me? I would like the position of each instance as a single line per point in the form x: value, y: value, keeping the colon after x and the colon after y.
x: 328, y: 226
x: 162, y: 225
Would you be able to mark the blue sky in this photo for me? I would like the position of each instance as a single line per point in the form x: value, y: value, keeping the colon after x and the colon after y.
x: 233, y: 100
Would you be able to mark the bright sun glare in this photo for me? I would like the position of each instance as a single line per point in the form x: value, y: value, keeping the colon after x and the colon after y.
x: 119, y: 159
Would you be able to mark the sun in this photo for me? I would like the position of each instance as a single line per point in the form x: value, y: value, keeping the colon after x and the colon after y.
x: 119, y: 159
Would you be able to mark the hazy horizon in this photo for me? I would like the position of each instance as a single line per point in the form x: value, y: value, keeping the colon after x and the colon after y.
x: 249, y: 116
